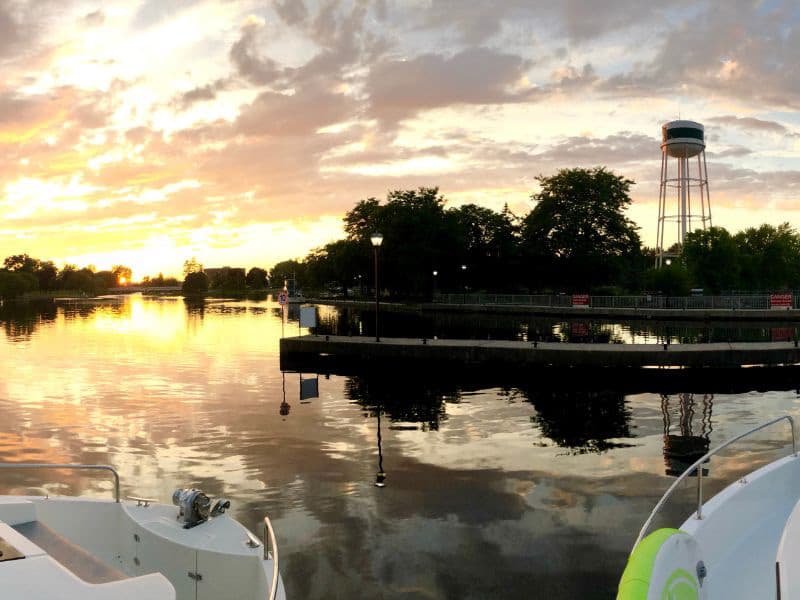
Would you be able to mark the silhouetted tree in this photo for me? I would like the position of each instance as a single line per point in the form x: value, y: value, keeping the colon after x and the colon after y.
x: 769, y: 257
x: 713, y: 259
x: 21, y: 262
x: 191, y: 266
x: 16, y: 283
x: 578, y: 234
x: 256, y: 278
x: 288, y: 269
x: 196, y: 282
x: 122, y: 273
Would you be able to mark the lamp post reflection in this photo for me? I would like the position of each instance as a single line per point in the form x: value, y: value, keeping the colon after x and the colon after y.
x: 380, y: 476
x: 285, y: 406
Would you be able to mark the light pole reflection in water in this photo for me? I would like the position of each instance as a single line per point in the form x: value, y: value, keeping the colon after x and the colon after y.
x: 380, y: 476
x: 285, y: 406
x: 681, y: 451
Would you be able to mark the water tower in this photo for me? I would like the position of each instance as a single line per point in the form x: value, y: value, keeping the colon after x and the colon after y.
x: 682, y: 142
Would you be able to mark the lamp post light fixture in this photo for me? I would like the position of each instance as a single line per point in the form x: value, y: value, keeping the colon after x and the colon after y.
x: 435, y: 275
x: 464, y: 281
x: 376, y: 239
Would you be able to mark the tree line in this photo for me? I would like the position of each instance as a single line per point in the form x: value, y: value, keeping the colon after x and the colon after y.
x: 23, y: 274
x: 576, y: 238
x: 196, y: 280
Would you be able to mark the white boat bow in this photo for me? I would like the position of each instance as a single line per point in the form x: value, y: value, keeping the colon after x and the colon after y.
x: 740, y: 544
x: 94, y: 549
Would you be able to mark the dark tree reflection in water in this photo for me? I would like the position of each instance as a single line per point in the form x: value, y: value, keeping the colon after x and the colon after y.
x: 582, y: 421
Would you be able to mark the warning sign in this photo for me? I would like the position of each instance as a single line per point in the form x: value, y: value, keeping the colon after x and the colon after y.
x: 780, y: 301
x: 580, y: 300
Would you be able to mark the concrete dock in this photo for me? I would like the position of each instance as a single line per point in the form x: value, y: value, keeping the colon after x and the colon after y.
x: 521, y: 355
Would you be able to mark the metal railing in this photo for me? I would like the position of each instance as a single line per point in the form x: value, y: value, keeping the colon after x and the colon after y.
x: 271, y: 542
x: 697, y: 465
x: 741, y: 302
x: 73, y: 466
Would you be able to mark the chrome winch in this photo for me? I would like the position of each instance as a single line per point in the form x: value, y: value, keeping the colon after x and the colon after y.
x: 194, y: 507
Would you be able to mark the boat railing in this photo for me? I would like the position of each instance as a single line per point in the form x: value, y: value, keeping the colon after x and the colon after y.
x: 271, y: 542
x: 697, y: 466
x: 71, y: 466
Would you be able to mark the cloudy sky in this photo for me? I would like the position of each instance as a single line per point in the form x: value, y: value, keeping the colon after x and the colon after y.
x: 145, y: 132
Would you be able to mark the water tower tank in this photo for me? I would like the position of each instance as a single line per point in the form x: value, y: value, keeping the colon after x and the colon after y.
x: 684, y: 177
x: 682, y: 139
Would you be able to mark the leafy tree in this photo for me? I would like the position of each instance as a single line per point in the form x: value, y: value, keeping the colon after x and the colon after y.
x: 490, y: 245
x: 106, y: 279
x: 419, y: 236
x: 769, y: 257
x: 338, y: 263
x: 256, y: 278
x: 123, y: 273
x: 47, y: 274
x: 286, y: 270
x: 228, y: 278
x: 16, y: 283
x: 672, y: 280
x: 80, y: 280
x: 21, y: 262
x: 578, y: 232
x: 196, y: 282
x: 191, y: 266
x: 713, y: 259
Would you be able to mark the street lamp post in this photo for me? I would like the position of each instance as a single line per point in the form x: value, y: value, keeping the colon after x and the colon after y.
x: 435, y: 275
x: 464, y: 281
x: 376, y: 239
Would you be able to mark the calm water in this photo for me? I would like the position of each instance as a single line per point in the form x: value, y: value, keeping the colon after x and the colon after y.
x: 504, y: 490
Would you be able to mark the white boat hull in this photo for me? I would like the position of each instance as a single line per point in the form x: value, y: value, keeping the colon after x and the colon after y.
x: 741, y: 529
x: 94, y: 549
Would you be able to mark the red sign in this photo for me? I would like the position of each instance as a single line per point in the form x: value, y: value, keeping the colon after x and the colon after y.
x: 782, y: 334
x: 780, y: 301
x: 580, y: 300
x: 282, y: 298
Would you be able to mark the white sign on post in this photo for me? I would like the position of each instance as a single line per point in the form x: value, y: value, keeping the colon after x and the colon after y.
x: 282, y: 298
x: 308, y: 316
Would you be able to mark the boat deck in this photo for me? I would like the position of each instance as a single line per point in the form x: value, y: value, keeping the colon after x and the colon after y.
x: 76, y: 559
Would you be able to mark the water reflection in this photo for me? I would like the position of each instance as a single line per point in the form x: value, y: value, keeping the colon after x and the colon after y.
x: 582, y: 421
x: 495, y: 487
x: 20, y: 320
x: 683, y: 449
x: 348, y: 321
x: 404, y: 399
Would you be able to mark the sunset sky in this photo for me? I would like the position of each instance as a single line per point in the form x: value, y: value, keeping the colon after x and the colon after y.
x: 239, y: 132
